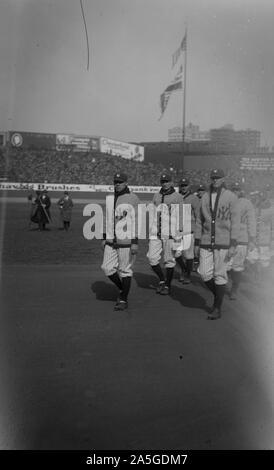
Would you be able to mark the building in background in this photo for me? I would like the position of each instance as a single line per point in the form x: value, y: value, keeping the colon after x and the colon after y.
x: 248, y: 140
x: 192, y: 133
x: 223, y: 139
x: 227, y: 140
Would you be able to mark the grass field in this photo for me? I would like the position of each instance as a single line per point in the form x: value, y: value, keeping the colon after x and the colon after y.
x: 77, y: 375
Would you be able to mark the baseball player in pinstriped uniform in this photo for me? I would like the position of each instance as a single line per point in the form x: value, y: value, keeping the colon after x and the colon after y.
x: 217, y: 231
x: 199, y: 193
x: 245, y: 242
x: 119, y: 253
x: 167, y: 195
x: 264, y: 214
x: 185, y: 258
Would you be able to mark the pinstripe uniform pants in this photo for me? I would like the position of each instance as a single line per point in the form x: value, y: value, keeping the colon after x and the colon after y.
x: 187, y: 254
x: 262, y: 255
x: 212, y: 265
x: 118, y: 260
x: 236, y: 263
x: 155, y: 249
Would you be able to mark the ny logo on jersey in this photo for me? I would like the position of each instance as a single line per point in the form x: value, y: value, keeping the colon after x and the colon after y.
x: 223, y: 213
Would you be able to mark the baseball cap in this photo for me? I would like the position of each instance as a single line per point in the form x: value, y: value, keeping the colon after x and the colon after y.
x: 217, y: 173
x: 236, y: 186
x: 184, y: 182
x: 120, y: 178
x: 165, y: 177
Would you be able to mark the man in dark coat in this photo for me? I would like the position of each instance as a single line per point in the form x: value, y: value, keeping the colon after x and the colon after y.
x: 41, y: 212
x: 65, y: 205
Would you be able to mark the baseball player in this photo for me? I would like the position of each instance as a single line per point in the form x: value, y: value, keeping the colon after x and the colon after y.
x: 200, y: 191
x: 186, y: 257
x: 119, y: 251
x: 264, y: 214
x: 217, y: 231
x: 167, y: 195
x: 245, y: 242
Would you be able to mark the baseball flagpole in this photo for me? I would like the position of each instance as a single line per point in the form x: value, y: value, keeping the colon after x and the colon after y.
x: 184, y: 104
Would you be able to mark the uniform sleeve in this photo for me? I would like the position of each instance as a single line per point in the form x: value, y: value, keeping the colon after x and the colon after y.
x: 235, y: 220
x: 180, y: 202
x: 196, y: 207
x: 251, y: 222
x: 198, y: 225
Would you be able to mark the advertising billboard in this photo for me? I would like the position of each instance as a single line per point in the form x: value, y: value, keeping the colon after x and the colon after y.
x: 32, y: 140
x: 258, y: 164
x: 77, y: 143
x: 122, y: 149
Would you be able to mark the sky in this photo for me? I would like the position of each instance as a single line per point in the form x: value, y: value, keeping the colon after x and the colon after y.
x: 46, y: 86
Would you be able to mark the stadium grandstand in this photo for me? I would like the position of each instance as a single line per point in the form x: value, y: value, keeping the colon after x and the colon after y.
x: 71, y: 159
x: 29, y: 166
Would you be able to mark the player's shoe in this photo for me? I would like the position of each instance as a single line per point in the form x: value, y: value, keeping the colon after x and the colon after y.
x: 121, y: 305
x: 119, y: 296
x: 165, y: 290
x: 215, y: 314
x: 233, y: 294
x: 186, y: 280
x: 160, y: 287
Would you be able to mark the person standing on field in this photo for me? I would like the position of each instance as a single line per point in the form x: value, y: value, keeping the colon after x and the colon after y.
x: 185, y: 258
x: 246, y: 240
x: 164, y: 244
x: 217, y: 232
x: 65, y: 205
x: 120, y: 252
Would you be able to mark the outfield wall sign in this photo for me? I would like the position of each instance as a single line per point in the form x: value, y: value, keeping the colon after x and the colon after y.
x: 94, y: 188
x: 258, y: 164
x: 32, y: 140
x: 79, y: 143
x: 122, y: 149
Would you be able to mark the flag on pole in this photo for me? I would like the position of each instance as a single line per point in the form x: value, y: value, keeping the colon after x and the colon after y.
x: 178, y: 52
x: 176, y: 84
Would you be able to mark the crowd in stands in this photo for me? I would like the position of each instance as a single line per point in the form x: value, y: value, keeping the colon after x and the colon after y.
x: 32, y: 166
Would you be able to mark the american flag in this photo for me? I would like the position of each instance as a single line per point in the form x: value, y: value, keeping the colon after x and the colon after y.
x: 176, y: 84
x: 180, y: 49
